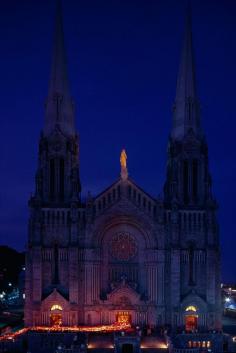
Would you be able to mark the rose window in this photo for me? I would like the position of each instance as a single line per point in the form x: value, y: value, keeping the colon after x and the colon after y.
x: 123, y: 246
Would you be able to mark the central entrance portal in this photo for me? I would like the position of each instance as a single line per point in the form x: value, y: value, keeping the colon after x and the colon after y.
x: 123, y: 317
x: 191, y: 322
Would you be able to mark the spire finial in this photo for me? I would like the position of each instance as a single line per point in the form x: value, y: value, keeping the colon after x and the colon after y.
x: 59, y: 107
x: 186, y: 107
x: 123, y: 165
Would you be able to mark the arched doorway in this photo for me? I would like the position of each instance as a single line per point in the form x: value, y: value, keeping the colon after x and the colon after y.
x: 127, y: 348
x: 55, y: 319
x: 191, y: 322
x: 191, y: 318
x: 56, y: 315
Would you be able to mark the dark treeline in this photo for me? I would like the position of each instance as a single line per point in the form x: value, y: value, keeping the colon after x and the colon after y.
x: 11, y: 263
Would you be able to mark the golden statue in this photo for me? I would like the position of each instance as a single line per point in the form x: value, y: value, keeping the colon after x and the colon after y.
x: 123, y: 164
x: 123, y: 159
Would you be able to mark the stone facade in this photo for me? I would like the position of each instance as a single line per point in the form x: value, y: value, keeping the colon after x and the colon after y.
x: 123, y: 254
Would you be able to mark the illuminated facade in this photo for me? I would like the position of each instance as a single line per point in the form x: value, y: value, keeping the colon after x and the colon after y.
x: 123, y: 255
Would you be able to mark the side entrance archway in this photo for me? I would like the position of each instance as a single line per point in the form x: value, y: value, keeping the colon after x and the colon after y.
x: 55, y: 319
x: 56, y: 315
x: 191, y: 318
x: 191, y: 322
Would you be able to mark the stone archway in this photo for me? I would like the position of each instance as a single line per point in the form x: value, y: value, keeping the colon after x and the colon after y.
x: 191, y: 322
x: 55, y: 310
x: 55, y: 319
x: 56, y: 315
x: 124, y: 302
x: 194, y: 310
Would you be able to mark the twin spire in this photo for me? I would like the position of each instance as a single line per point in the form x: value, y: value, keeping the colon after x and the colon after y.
x: 59, y: 106
x: 186, y: 115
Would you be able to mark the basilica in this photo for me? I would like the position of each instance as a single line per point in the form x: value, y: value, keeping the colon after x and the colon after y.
x: 123, y: 255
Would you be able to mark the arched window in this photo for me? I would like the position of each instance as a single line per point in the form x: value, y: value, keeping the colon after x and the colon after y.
x: 191, y: 308
x: 56, y: 307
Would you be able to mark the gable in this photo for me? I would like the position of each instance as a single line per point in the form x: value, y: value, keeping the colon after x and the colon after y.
x: 124, y: 190
x: 124, y: 295
x: 193, y: 299
x: 55, y: 298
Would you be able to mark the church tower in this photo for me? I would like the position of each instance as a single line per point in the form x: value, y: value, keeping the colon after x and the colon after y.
x: 193, y: 244
x: 53, y: 225
x: 57, y: 180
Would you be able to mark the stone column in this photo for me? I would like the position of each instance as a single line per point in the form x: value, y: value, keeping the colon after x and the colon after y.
x: 210, y: 280
x: 175, y: 277
x: 36, y: 273
x: 161, y: 277
x: 73, y: 275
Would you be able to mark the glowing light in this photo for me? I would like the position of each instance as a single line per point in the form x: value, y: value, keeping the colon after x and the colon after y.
x: 11, y: 336
x: 191, y: 308
x: 9, y: 284
x: 102, y: 328
x: 163, y: 346
x: 123, y: 159
x: 160, y: 345
x: 56, y: 307
x: 96, y: 346
x: 123, y: 317
x: 227, y: 300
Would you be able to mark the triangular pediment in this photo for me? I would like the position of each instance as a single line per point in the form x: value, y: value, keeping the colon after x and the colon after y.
x: 124, y: 295
x: 193, y: 299
x: 55, y: 298
x: 122, y: 196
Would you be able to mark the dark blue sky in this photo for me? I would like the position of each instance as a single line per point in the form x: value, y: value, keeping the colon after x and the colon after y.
x: 123, y: 60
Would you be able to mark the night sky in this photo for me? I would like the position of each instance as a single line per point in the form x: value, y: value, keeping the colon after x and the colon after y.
x: 123, y: 59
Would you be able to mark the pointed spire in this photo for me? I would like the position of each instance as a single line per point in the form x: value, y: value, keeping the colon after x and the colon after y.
x: 186, y: 108
x: 59, y: 106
